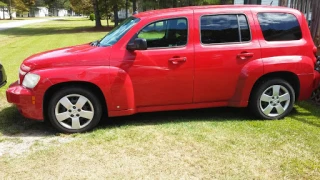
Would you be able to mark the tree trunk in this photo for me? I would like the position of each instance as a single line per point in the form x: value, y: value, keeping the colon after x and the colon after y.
x: 144, y: 6
x: 116, y: 18
x: 126, y: 8
x: 174, y: 3
x: 3, y: 12
x: 97, y: 13
x: 107, y: 12
x: 10, y: 10
x: 134, y: 6
x: 315, y: 24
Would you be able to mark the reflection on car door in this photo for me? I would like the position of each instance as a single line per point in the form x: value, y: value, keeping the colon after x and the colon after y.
x: 224, y: 45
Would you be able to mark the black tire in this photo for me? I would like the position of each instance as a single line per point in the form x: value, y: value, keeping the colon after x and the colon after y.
x: 260, y: 107
x: 92, y: 105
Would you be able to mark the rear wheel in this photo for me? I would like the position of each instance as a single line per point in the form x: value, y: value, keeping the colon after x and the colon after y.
x: 74, y: 109
x: 272, y: 99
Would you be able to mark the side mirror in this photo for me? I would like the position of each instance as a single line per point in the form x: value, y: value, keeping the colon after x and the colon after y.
x: 138, y: 44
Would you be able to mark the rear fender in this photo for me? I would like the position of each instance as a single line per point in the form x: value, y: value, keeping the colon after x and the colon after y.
x: 247, y: 77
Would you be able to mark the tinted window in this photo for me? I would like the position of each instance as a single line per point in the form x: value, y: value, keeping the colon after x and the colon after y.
x: 279, y: 26
x: 166, y: 33
x: 244, y: 28
x: 224, y: 29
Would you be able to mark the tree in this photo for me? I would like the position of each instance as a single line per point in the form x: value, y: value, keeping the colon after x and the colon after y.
x: 3, y: 5
x: 81, y: 6
x: 134, y: 6
x: 97, y: 13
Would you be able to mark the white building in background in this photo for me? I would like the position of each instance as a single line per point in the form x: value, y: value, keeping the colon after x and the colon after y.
x: 122, y: 13
x: 41, y: 12
x: 260, y: 2
x: 37, y: 12
x: 4, y: 14
x: 60, y: 12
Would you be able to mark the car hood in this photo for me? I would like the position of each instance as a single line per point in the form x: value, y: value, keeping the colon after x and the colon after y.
x: 81, y: 55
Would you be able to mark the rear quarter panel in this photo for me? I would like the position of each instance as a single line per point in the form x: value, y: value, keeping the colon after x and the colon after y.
x: 292, y: 56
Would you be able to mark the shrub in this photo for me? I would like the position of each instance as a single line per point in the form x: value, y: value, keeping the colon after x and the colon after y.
x: 92, y: 17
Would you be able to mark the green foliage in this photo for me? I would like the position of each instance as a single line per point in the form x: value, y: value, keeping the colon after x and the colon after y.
x: 19, y: 5
x: 92, y: 17
x: 81, y: 6
x: 60, y: 4
x: 2, y: 3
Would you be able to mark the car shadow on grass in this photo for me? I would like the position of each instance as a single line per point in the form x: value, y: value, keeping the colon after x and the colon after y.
x: 309, y: 113
x: 156, y: 118
x: 12, y: 123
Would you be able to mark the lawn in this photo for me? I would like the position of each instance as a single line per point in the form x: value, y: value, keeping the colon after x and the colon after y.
x: 218, y: 143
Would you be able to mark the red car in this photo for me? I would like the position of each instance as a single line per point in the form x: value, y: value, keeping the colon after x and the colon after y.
x: 172, y: 59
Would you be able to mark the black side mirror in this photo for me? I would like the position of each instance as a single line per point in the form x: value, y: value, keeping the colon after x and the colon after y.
x: 138, y: 44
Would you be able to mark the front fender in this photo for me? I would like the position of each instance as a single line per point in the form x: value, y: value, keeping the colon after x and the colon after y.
x: 114, y: 83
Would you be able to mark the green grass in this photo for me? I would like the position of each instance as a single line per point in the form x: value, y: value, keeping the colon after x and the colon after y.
x: 218, y: 143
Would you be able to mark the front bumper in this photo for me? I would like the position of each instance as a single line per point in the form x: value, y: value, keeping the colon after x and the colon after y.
x: 25, y: 100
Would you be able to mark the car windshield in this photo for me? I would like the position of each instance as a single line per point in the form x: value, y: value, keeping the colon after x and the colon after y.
x: 115, y: 35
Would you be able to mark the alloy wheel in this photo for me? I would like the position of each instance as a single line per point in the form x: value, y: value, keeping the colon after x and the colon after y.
x: 74, y: 111
x: 274, y: 101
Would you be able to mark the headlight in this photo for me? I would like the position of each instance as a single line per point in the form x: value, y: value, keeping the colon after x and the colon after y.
x: 31, y: 80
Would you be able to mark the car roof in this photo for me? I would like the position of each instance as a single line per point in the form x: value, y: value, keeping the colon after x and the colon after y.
x: 181, y: 10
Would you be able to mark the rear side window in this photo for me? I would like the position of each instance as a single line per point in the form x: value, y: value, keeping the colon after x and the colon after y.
x: 279, y: 26
x: 224, y: 28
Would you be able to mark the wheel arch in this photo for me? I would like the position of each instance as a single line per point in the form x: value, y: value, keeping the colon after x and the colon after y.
x: 288, y: 76
x: 83, y: 84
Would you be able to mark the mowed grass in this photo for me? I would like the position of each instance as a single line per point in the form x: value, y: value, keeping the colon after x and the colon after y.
x: 218, y: 143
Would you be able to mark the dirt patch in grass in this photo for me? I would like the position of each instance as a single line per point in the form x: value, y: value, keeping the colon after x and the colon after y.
x: 24, y: 144
x: 20, y: 136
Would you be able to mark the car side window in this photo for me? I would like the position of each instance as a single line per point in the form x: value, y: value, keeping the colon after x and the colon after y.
x: 224, y: 28
x: 279, y: 26
x: 166, y: 33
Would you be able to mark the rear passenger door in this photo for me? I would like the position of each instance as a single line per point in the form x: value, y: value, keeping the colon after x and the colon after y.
x: 224, y: 45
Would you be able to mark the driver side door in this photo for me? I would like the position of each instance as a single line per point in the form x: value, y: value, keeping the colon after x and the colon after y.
x: 163, y: 73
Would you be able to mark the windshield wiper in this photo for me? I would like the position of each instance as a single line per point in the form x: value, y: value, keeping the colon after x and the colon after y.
x: 95, y: 43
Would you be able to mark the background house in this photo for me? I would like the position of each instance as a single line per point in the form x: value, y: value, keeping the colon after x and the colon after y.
x: 38, y: 12
x: 4, y: 13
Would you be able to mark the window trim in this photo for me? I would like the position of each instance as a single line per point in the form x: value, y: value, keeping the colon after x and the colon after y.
x: 165, y: 19
x: 302, y: 33
x: 227, y: 43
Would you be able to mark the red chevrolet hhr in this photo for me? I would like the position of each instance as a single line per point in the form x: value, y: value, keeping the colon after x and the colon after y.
x: 194, y: 57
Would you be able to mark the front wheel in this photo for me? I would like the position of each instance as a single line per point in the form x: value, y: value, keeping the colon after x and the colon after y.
x: 74, y: 110
x: 272, y: 99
